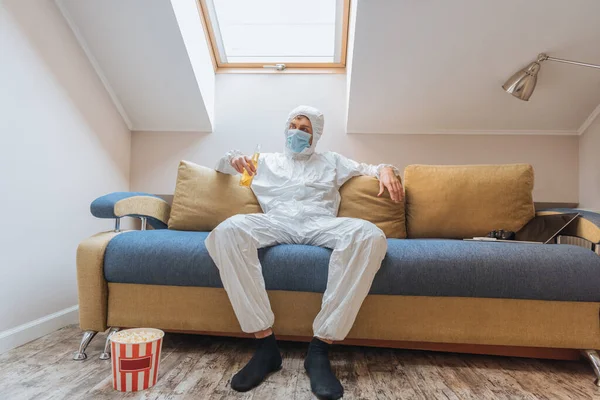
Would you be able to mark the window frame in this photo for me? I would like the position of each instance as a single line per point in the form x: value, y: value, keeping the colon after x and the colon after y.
x: 221, y: 67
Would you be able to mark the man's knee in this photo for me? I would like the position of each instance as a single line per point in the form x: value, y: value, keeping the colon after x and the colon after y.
x: 371, y: 232
x: 225, y: 231
x: 231, y: 225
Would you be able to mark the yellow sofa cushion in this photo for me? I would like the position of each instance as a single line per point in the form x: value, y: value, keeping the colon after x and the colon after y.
x: 463, y: 201
x: 359, y: 200
x: 204, y: 198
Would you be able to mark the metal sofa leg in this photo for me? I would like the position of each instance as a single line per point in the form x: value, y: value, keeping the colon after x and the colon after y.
x: 594, y: 359
x: 106, y: 354
x: 85, y: 340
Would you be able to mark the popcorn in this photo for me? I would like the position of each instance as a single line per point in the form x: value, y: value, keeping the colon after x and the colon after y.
x: 136, y: 336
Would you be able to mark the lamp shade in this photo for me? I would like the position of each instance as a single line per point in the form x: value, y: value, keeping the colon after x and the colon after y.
x: 522, y: 83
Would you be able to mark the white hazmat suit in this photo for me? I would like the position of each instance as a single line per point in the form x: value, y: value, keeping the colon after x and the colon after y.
x: 299, y: 195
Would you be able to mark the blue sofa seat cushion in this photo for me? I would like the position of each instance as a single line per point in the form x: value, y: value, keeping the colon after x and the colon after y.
x: 424, y: 267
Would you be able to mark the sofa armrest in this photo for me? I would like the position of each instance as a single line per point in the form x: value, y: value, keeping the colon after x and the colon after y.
x: 587, y: 225
x: 92, y: 289
x: 133, y: 204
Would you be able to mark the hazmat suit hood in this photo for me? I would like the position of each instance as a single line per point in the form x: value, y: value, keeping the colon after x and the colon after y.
x: 317, y: 121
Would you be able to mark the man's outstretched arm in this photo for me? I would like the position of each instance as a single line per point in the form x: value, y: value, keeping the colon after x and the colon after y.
x: 386, y: 173
x: 235, y: 162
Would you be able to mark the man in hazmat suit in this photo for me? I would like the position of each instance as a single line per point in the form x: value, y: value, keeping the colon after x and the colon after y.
x: 298, y: 191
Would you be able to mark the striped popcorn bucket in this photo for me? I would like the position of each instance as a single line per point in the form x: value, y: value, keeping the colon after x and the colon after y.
x: 135, y: 365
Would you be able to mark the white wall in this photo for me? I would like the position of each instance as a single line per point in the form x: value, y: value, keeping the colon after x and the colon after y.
x: 63, y: 143
x: 252, y: 109
x: 589, y: 167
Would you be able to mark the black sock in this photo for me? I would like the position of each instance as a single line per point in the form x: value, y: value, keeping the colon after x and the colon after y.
x: 323, y: 381
x: 265, y: 360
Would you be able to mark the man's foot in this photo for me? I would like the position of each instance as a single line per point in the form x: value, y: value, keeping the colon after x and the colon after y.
x: 323, y: 381
x: 265, y: 361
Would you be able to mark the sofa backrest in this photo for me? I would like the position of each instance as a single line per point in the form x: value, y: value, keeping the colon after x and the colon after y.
x: 204, y: 198
x: 441, y: 201
x: 463, y: 201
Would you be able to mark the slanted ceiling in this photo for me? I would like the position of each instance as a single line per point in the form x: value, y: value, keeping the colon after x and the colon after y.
x: 438, y: 66
x: 137, y: 49
x: 432, y: 66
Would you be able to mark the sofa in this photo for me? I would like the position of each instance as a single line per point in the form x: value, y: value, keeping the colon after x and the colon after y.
x: 433, y: 291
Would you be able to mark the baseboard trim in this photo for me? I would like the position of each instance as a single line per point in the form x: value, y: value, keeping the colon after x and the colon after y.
x: 19, y: 335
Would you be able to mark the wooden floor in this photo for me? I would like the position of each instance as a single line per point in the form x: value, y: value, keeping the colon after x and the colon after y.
x: 200, y: 367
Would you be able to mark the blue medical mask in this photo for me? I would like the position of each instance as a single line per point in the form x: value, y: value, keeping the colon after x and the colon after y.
x: 297, y: 140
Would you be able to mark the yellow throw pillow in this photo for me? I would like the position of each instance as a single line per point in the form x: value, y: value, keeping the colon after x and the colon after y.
x: 204, y: 198
x: 463, y: 201
x: 359, y: 200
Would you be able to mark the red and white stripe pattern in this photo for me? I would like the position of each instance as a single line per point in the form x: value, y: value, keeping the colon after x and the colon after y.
x: 135, y: 365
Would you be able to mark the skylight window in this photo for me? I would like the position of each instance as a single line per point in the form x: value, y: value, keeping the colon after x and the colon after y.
x: 282, y: 33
